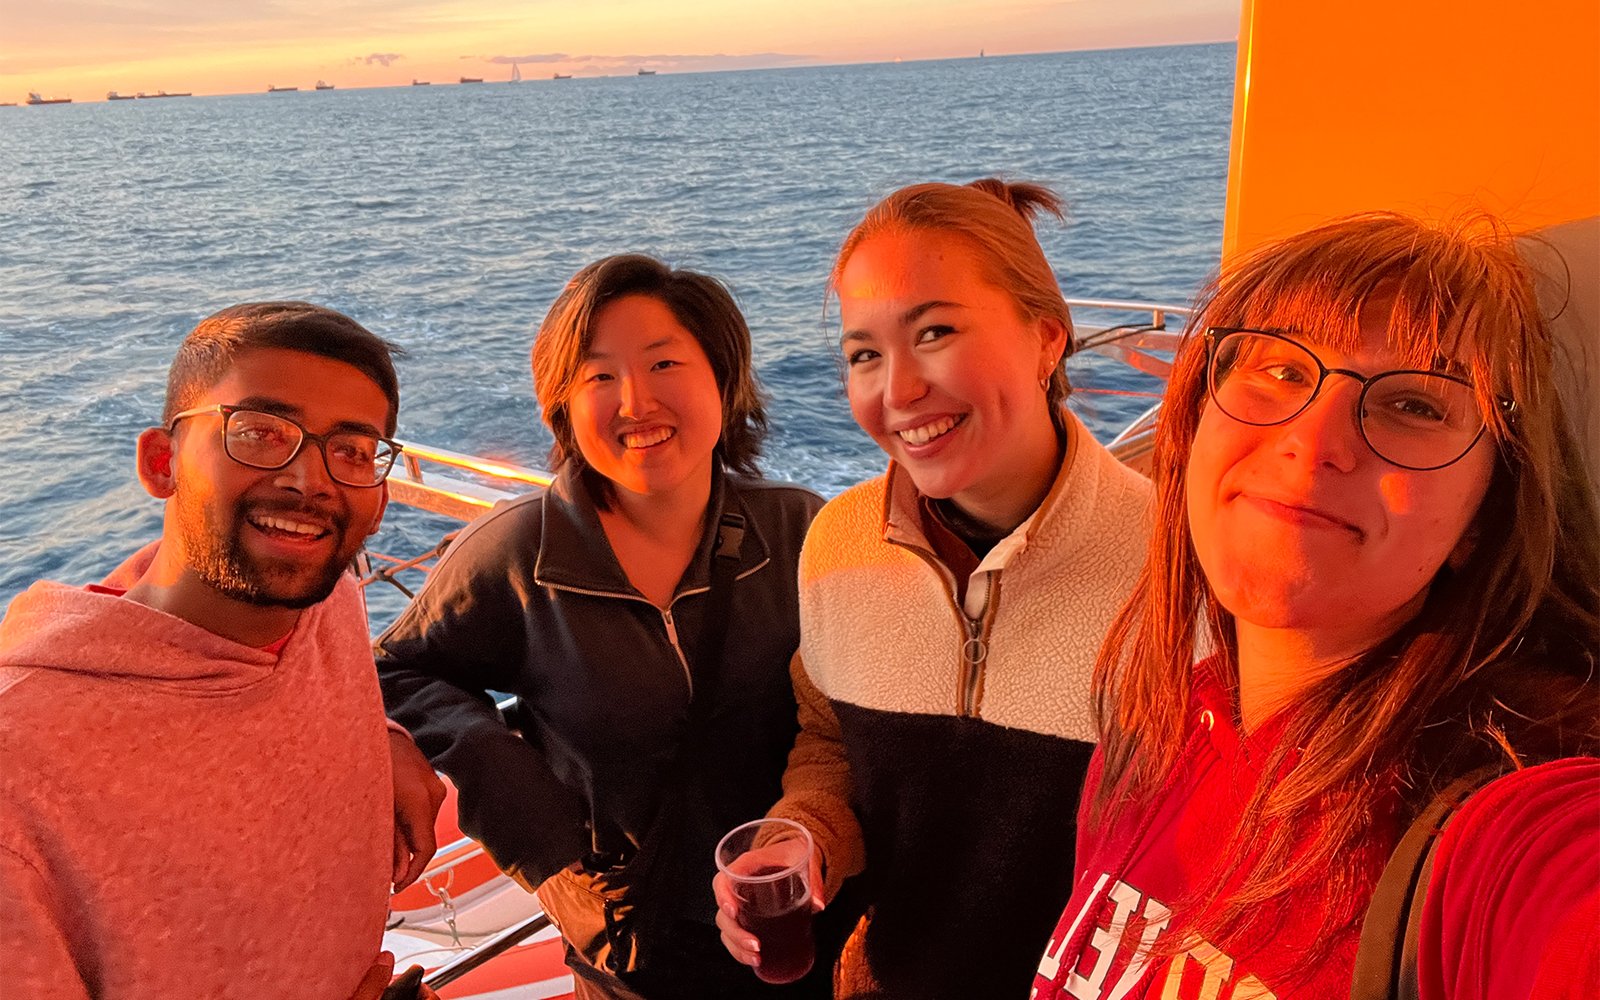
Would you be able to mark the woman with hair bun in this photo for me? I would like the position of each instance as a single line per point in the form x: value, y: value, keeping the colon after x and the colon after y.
x: 951, y: 608
x: 1374, y: 533
x: 642, y: 608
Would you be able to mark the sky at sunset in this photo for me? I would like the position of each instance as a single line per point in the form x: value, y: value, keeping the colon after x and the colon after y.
x: 84, y: 48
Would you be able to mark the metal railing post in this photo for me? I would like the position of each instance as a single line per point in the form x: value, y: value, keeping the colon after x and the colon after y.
x: 507, y: 939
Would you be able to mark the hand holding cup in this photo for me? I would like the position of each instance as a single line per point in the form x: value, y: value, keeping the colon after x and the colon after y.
x: 768, y: 887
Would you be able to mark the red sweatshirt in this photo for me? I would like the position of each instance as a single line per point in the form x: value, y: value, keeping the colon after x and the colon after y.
x: 1512, y: 911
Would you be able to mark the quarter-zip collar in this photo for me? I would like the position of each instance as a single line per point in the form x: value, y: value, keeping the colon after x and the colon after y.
x: 902, y: 525
x: 575, y: 555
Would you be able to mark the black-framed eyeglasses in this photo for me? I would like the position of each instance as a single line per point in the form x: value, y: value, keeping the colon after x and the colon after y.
x: 1416, y: 419
x: 268, y: 441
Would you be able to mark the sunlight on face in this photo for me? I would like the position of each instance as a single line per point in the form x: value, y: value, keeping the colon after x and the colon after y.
x: 279, y: 536
x: 646, y: 411
x: 944, y: 373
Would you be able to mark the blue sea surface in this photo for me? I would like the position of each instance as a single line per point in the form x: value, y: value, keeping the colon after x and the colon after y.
x: 447, y: 218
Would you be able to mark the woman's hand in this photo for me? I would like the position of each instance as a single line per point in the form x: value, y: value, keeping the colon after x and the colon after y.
x: 742, y: 944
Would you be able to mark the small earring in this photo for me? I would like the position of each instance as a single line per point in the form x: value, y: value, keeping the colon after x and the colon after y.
x: 1044, y: 385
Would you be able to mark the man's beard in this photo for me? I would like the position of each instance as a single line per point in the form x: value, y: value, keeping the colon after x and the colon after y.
x: 217, y: 555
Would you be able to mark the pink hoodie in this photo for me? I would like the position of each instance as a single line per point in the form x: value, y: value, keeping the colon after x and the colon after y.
x: 183, y: 816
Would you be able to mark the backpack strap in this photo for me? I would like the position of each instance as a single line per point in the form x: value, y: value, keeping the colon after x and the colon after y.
x: 1386, y: 962
x: 707, y: 662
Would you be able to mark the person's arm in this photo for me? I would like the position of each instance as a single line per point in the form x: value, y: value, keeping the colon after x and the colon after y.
x: 1513, y: 904
x: 38, y: 958
x: 816, y: 794
x: 418, y: 794
x: 817, y: 786
x: 464, y: 636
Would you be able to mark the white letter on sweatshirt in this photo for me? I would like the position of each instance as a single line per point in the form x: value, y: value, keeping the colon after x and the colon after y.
x: 1050, y: 964
x: 1157, y: 917
x: 1106, y: 940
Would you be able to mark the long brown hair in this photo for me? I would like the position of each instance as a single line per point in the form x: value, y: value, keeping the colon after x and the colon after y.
x: 996, y: 219
x: 1500, y: 661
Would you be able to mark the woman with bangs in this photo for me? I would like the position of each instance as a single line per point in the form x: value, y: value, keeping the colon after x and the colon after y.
x: 1373, y: 585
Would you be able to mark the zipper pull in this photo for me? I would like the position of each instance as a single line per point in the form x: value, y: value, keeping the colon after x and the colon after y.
x: 974, y: 650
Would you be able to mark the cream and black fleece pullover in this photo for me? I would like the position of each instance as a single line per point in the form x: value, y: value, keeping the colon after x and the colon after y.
x: 942, y: 746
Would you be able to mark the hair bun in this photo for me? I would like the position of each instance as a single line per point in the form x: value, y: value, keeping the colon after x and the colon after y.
x: 1027, y: 199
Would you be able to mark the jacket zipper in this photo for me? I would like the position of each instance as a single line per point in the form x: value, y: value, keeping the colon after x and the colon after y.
x: 672, y: 637
x: 973, y: 652
x: 976, y: 649
x: 666, y: 613
x: 975, y: 641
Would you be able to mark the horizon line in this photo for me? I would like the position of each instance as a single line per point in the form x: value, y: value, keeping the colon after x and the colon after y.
x: 690, y: 72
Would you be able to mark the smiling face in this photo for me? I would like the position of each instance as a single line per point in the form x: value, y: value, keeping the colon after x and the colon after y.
x: 645, y: 409
x: 1301, y: 526
x: 944, y: 373
x: 270, y: 537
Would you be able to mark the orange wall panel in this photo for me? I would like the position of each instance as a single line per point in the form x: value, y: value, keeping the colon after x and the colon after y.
x: 1435, y: 107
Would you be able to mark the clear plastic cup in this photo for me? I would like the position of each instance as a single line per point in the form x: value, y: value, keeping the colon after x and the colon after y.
x: 768, y: 863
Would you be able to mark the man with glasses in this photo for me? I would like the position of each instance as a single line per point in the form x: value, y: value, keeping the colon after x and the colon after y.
x: 195, y: 792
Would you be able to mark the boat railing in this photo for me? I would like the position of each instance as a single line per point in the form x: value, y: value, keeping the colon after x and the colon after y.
x: 1144, y: 345
x: 492, y: 948
x: 448, y: 483
x: 457, y: 485
x: 1158, y: 311
x: 468, y: 849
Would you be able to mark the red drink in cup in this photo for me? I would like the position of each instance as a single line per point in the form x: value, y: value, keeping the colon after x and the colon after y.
x: 778, y: 913
x: 768, y: 863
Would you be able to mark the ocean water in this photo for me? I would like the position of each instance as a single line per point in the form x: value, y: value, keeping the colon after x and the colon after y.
x: 447, y: 218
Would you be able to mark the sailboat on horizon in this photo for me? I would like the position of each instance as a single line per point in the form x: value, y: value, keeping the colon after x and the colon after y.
x: 516, y: 73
